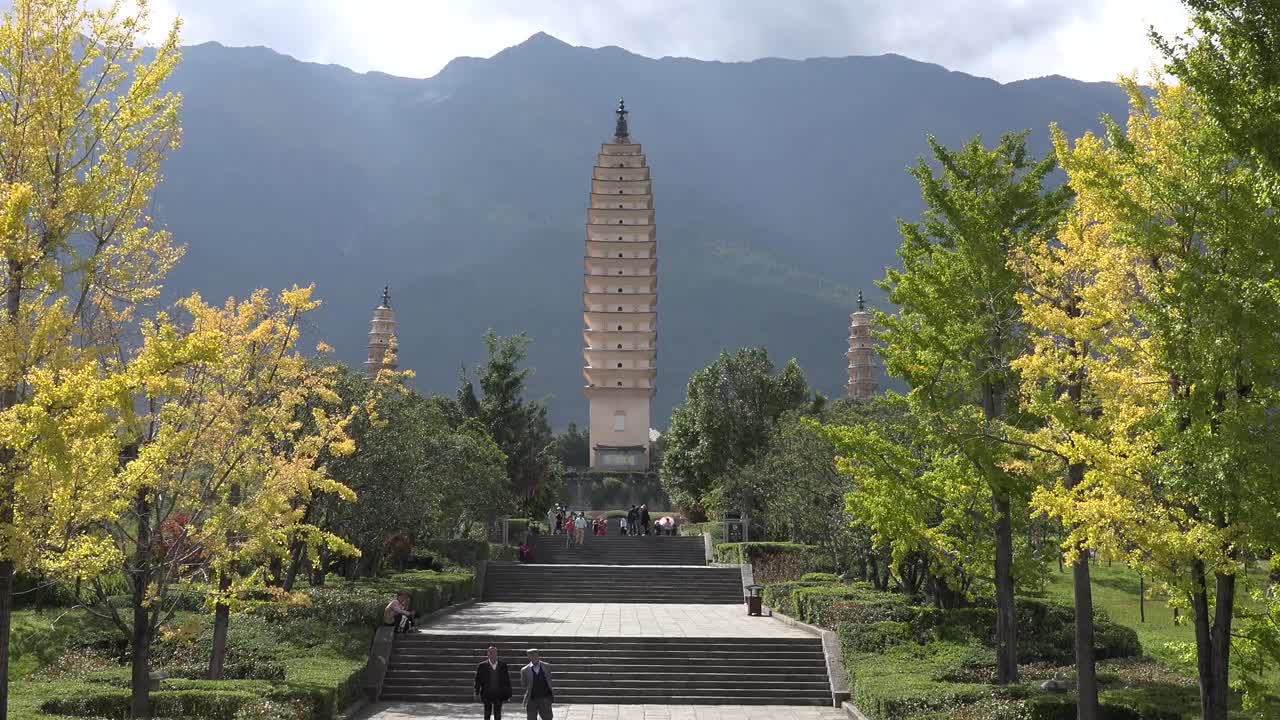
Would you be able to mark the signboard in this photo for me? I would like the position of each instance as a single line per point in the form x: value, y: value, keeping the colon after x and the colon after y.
x: 498, y: 532
x: 733, y: 531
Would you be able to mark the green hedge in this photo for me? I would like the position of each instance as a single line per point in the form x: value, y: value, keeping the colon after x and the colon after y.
x: 213, y: 704
x: 829, y: 605
x: 518, y: 527
x: 201, y: 704
x: 503, y: 552
x: 464, y: 552
x: 774, y: 561
x: 906, y: 661
x: 362, y: 602
x: 778, y: 595
x: 715, y: 529
x: 248, y: 668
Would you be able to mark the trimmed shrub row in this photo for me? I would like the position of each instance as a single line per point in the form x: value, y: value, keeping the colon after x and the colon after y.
x: 210, y: 704
x: 774, y: 561
x: 362, y: 602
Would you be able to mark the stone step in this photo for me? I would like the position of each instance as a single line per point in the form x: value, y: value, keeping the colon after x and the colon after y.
x: 627, y: 657
x: 723, y: 673
x: 607, y: 700
x: 612, y: 583
x: 519, y: 644
x: 620, y: 550
x: 435, y: 667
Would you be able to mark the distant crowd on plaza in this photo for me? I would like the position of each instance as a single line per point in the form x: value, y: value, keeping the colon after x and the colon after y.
x: 574, y: 525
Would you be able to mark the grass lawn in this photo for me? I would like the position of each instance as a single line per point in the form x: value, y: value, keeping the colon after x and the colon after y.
x: 60, y: 655
x: 1116, y: 590
x: 308, y: 653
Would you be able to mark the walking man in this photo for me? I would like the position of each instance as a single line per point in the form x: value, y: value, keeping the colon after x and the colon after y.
x: 538, y: 688
x: 633, y: 520
x: 493, y: 684
x: 644, y: 518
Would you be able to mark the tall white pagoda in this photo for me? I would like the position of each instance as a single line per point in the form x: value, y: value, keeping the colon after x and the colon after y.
x: 864, y: 359
x: 382, y: 338
x: 620, y: 298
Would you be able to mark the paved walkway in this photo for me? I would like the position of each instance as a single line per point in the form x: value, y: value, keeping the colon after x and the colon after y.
x: 610, y: 620
x: 513, y: 711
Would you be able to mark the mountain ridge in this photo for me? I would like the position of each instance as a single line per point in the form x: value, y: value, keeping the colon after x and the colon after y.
x: 777, y: 185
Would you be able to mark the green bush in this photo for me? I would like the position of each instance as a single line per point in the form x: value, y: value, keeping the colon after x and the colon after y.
x: 778, y: 595
x: 714, y: 529
x: 829, y: 605
x: 201, y: 704
x: 465, y: 552
x: 774, y: 561
x: 362, y: 602
x: 502, y: 552
x: 877, y: 637
x: 516, y: 529
x: 273, y: 710
x: 245, y: 668
x: 824, y: 577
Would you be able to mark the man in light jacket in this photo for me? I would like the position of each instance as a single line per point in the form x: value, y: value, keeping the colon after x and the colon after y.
x: 538, y: 688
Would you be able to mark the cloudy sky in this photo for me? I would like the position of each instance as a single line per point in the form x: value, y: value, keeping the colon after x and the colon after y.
x: 1004, y: 39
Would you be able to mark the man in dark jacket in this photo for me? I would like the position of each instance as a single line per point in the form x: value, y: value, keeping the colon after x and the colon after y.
x: 493, y: 684
x: 633, y: 521
x: 644, y: 518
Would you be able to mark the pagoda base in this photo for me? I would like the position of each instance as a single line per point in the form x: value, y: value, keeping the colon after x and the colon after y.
x: 632, y: 458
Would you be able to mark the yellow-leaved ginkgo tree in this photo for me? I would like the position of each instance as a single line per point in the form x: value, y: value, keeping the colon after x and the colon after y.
x: 84, y: 125
x: 1172, y: 324
x: 225, y: 446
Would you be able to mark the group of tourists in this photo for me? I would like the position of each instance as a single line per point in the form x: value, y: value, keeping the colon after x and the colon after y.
x: 637, y: 521
x: 575, y: 524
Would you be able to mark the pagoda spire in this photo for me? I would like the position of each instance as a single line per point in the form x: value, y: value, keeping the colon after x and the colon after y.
x: 386, y: 296
x: 621, y: 134
x: 862, y: 305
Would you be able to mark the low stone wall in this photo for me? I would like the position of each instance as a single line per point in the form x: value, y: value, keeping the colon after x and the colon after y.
x: 606, y: 491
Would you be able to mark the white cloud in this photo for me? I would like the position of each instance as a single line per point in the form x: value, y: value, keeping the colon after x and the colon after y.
x: 1004, y: 39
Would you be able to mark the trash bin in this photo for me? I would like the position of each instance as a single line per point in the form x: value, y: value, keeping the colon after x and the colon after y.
x: 754, y: 599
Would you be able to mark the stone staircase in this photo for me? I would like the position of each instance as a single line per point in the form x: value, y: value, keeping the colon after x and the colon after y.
x: 621, y: 550
x: 514, y: 582
x: 724, y: 671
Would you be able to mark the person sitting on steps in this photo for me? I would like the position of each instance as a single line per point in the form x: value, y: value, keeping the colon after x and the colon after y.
x: 399, y: 614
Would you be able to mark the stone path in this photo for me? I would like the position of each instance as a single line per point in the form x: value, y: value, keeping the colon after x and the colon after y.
x: 609, y: 620
x: 513, y: 711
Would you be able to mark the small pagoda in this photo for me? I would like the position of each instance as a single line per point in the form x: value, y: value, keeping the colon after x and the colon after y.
x: 864, y: 358
x: 382, y: 338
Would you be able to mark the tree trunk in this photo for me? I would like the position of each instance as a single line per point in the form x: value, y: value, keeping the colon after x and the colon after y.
x: 140, y: 641
x: 297, y: 555
x: 1086, y: 667
x: 1224, y: 611
x: 6, y: 622
x: 221, y: 622
x: 8, y: 399
x: 1142, y: 599
x: 1205, y: 656
x: 1006, y: 615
